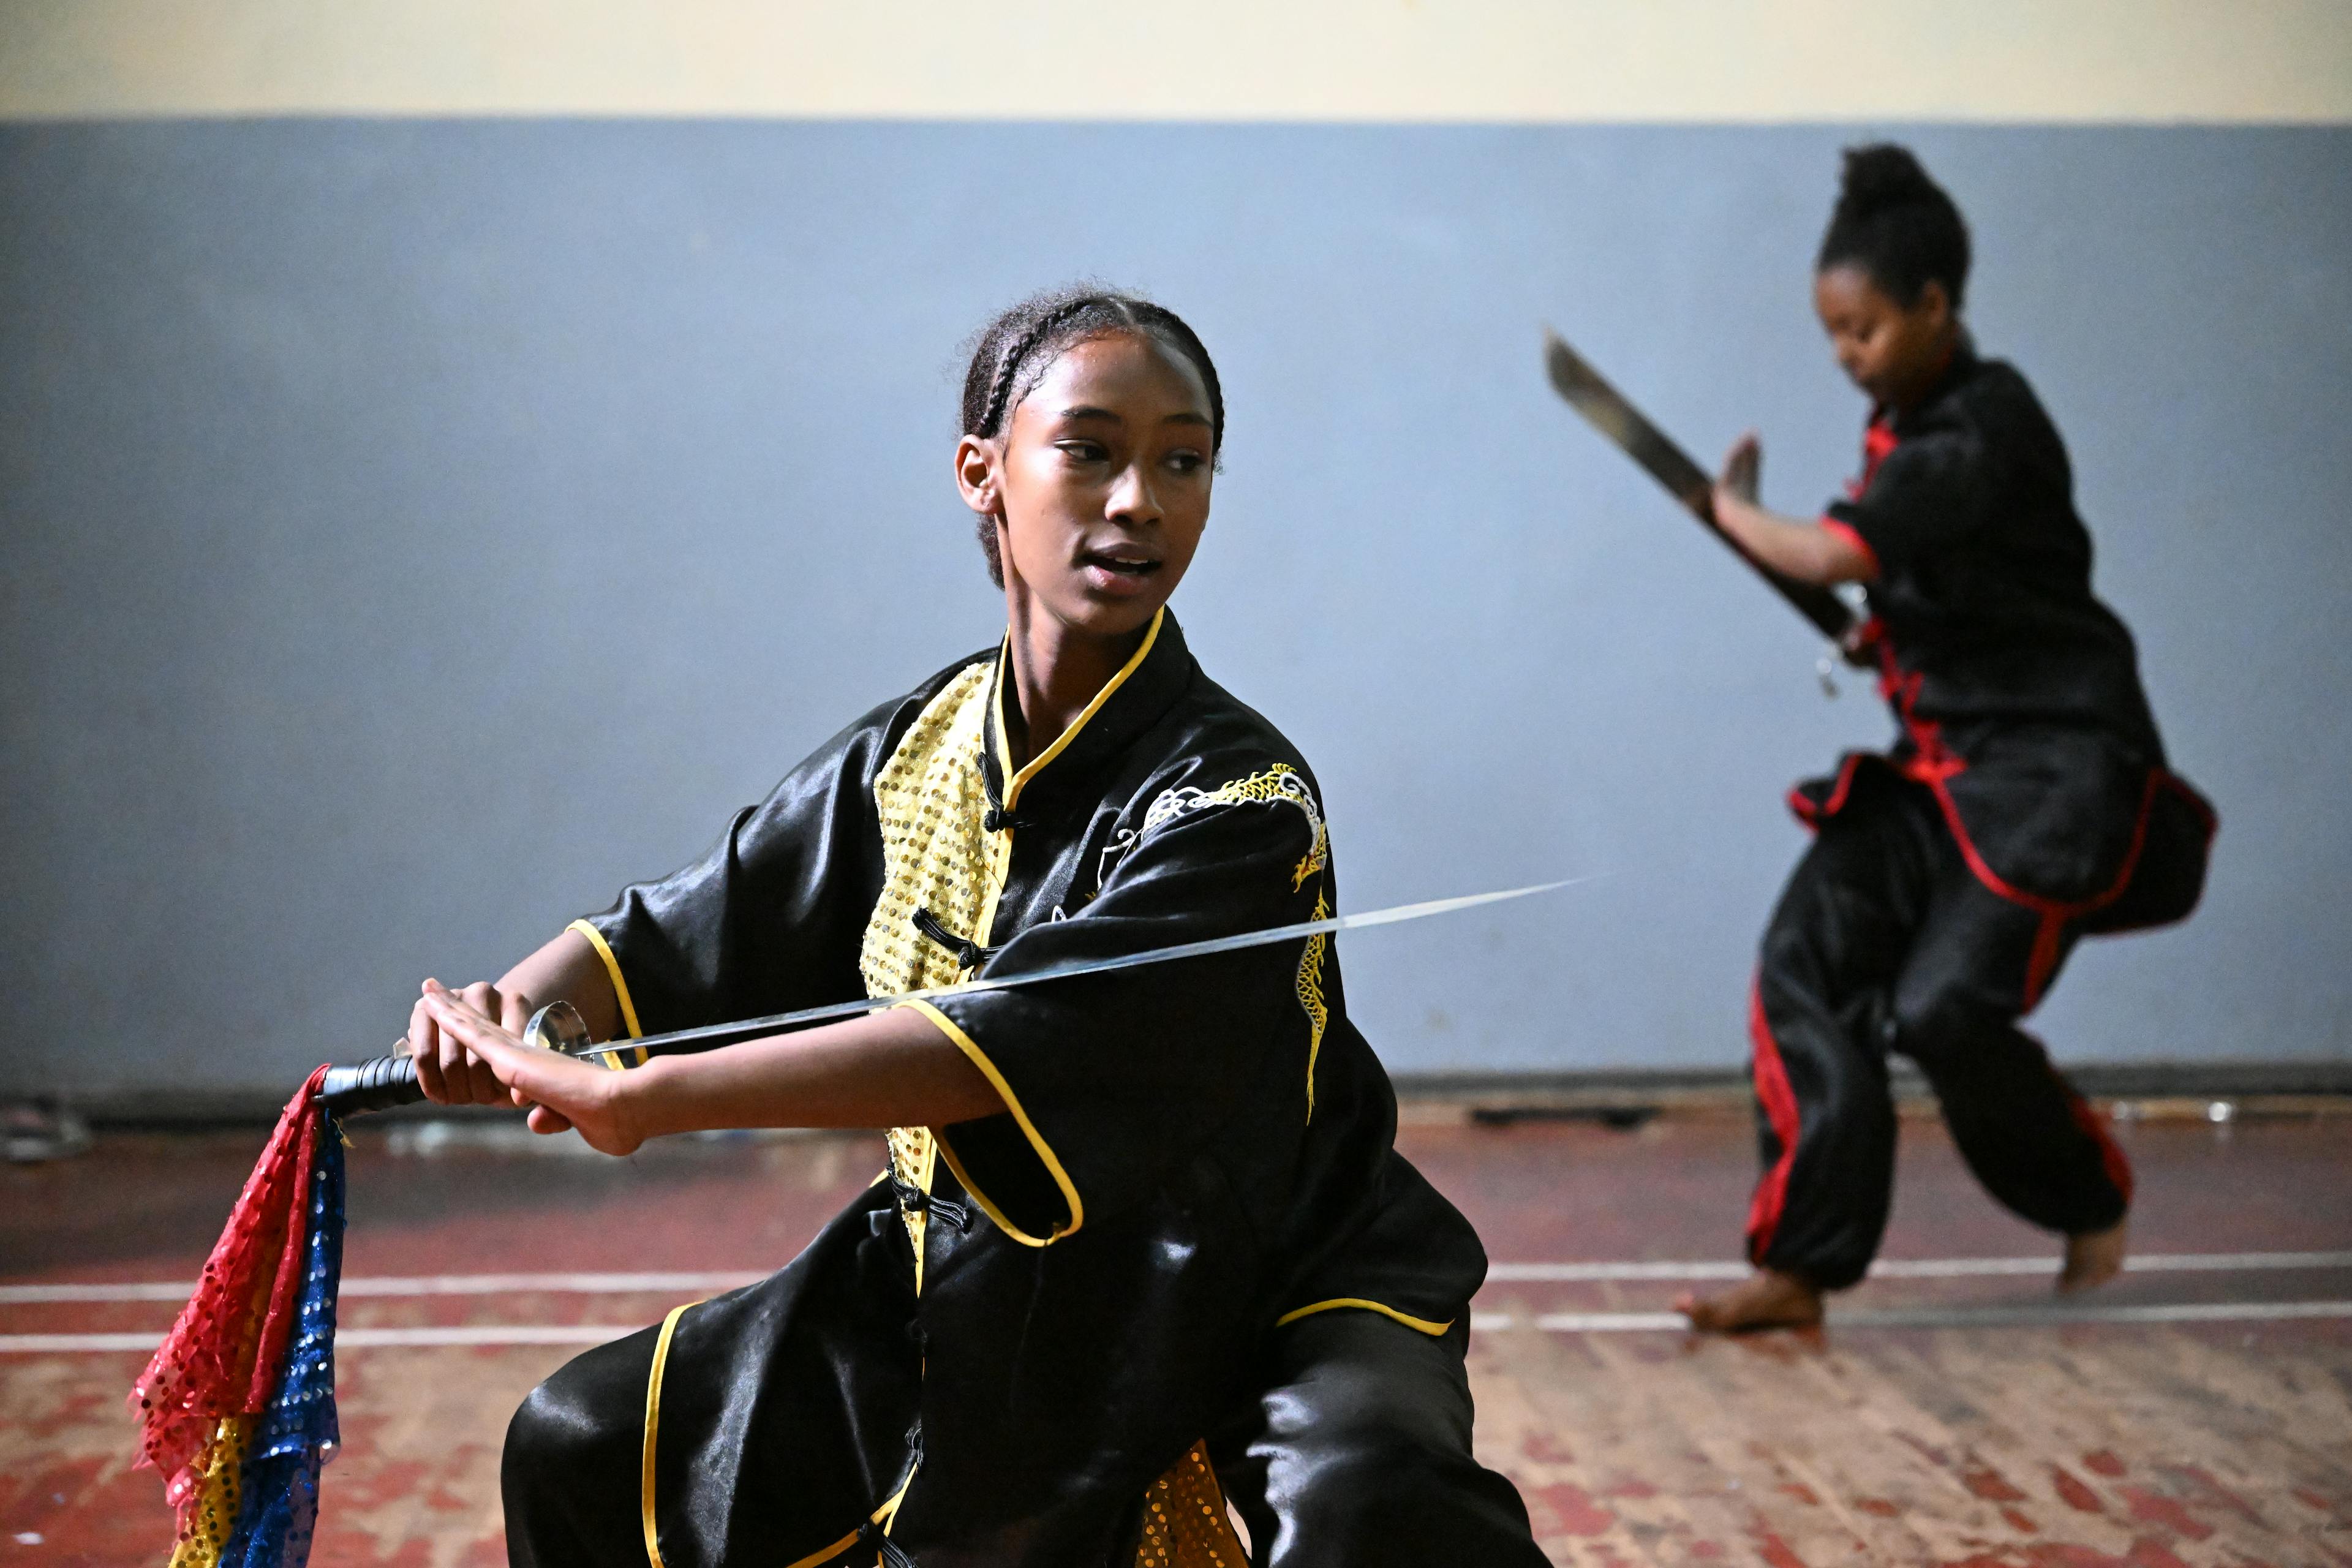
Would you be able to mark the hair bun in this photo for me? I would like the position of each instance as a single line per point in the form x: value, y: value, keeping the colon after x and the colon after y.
x: 1897, y: 224
x: 1879, y: 176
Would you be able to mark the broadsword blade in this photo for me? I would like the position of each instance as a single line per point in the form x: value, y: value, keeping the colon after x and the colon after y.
x: 1609, y: 411
x: 716, y: 1034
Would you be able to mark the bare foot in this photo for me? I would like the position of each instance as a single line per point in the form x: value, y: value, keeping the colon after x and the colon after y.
x: 2092, y: 1258
x: 1767, y: 1299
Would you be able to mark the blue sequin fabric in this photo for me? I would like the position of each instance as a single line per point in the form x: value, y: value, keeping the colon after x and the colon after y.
x: 278, y: 1490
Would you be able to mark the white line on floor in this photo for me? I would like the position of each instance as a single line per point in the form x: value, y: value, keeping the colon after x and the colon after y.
x: 1912, y: 1267
x: 176, y: 1290
x: 424, y: 1285
x: 2052, y: 1315
x: 345, y: 1338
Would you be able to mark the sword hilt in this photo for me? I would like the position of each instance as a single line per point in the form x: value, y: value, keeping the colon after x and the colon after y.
x: 377, y: 1084
x: 385, y: 1081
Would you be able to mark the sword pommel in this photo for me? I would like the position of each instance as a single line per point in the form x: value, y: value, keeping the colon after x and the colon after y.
x: 376, y: 1084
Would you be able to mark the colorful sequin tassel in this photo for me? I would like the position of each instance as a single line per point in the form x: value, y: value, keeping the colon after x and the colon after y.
x: 237, y: 1409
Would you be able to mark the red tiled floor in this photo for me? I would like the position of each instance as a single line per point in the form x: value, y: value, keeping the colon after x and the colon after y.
x: 2076, y: 1446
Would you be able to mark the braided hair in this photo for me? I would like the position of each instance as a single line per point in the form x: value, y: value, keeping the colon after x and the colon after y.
x: 1896, y: 224
x: 1014, y: 351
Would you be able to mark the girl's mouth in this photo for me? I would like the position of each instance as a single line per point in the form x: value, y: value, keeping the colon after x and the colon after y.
x: 1119, y: 573
x: 1119, y: 564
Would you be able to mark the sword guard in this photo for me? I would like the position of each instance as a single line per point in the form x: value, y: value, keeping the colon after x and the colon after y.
x: 557, y: 1027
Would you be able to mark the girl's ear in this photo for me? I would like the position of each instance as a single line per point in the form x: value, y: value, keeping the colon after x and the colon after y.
x: 976, y: 476
x: 1934, y: 302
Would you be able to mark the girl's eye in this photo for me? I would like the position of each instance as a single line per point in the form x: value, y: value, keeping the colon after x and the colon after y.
x: 1083, y: 451
x: 1184, y: 462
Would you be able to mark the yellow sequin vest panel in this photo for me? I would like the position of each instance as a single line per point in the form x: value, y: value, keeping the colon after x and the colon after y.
x: 931, y: 800
x: 1184, y: 1523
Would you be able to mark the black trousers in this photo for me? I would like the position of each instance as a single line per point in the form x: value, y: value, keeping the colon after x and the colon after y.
x: 1885, y: 942
x: 1357, y: 1451
x: 1354, y: 1454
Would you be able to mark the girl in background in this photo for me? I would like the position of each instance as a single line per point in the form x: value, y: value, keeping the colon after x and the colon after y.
x: 2025, y: 802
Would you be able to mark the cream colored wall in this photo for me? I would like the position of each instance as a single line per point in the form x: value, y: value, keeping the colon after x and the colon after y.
x: 1394, y: 60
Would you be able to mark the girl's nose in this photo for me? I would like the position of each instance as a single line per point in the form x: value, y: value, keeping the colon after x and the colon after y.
x: 1132, y: 496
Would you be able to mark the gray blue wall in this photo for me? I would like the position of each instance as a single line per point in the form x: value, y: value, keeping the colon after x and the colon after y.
x: 411, y: 529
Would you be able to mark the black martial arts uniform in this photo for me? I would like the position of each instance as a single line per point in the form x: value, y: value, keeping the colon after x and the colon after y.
x: 1187, y: 1253
x: 2026, y: 802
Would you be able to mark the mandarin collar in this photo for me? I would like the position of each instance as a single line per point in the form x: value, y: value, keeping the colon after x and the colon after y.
x: 1130, y: 703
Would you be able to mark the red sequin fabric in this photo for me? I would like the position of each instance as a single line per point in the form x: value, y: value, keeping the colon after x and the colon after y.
x: 220, y: 1358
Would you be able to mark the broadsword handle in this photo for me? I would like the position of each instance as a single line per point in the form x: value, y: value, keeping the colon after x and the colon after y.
x: 389, y: 1080
x: 377, y: 1084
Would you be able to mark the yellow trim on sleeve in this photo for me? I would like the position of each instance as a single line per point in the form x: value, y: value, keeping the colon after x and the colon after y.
x: 620, y: 989
x: 827, y: 1553
x: 653, y: 1425
x: 1014, y: 784
x: 1410, y: 1321
x: 979, y: 1057
x: 884, y: 1516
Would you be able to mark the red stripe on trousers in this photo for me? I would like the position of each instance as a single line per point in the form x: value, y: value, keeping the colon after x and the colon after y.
x: 2111, y: 1153
x: 1779, y: 1103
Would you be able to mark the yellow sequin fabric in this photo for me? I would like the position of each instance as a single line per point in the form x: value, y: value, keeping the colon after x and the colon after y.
x: 931, y: 799
x: 936, y: 855
x: 1184, y: 1523
x: 211, y: 1514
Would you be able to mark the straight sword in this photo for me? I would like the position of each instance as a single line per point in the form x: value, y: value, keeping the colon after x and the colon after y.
x: 1609, y: 412
x: 390, y: 1081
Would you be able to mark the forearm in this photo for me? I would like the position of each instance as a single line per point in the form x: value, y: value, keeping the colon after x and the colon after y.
x: 568, y: 970
x: 1793, y: 547
x: 893, y: 1068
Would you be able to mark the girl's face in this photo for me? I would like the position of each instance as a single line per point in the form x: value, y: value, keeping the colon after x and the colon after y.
x: 1099, y: 484
x: 1892, y: 352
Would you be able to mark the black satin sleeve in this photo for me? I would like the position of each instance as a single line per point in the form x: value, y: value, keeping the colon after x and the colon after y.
x: 1936, y: 489
x: 1115, y: 1079
x: 772, y: 917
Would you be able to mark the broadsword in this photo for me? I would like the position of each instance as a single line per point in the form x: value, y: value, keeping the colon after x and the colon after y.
x: 389, y: 1080
x: 1610, y: 412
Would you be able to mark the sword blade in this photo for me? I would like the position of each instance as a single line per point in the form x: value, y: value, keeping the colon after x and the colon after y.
x: 712, y: 1037
x: 1609, y: 411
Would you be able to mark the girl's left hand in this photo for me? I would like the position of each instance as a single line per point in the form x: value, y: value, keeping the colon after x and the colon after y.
x: 1743, y: 466
x: 561, y: 1092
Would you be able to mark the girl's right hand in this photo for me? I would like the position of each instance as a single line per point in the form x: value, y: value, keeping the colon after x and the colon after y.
x: 563, y: 1093
x: 448, y: 1073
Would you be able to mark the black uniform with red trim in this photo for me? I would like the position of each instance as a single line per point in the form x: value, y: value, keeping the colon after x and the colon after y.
x: 2026, y: 802
x: 1186, y: 1257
